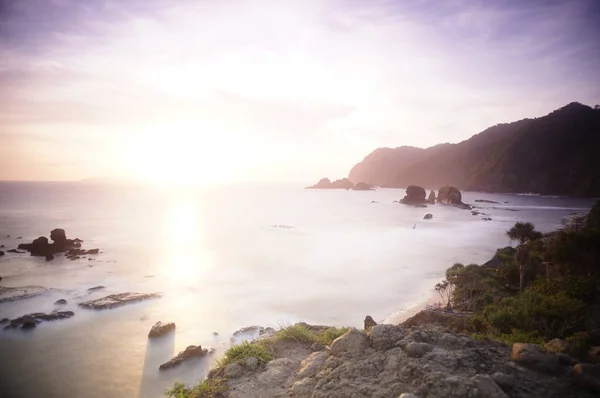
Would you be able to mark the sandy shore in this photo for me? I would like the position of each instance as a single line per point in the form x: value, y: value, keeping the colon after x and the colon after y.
x: 400, y: 316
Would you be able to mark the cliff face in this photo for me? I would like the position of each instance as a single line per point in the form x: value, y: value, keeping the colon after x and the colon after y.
x: 554, y: 154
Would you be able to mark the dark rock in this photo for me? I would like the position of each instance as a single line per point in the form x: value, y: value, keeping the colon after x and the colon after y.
x: 96, y: 288
x: 190, y: 352
x: 28, y: 325
x: 14, y: 251
x: 37, y: 318
x: 77, y: 240
x: 369, y: 322
x: 116, y: 300
x: 0, y: 278
x: 421, y: 205
x: 414, y: 195
x: 1, y: 253
x: 587, y: 375
x: 60, y: 302
x: 431, y: 198
x: 487, y: 219
x: 361, y: 186
x: 4, y: 320
x: 58, y: 236
x: 475, y: 213
x: 428, y: 216
x: 19, y: 237
x: 534, y: 357
x: 49, y: 257
x: 486, y: 201
x: 449, y: 195
x: 76, y: 253
x: 1, y: 246
x: 160, y: 329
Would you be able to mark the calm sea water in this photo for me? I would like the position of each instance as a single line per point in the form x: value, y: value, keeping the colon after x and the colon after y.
x: 223, y: 258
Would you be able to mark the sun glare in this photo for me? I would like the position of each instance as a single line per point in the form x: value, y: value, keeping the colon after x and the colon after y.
x: 182, y: 154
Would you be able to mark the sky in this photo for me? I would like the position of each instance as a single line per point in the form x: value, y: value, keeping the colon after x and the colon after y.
x: 225, y: 91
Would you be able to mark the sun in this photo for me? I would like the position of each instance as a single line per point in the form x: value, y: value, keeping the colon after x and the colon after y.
x: 183, y: 154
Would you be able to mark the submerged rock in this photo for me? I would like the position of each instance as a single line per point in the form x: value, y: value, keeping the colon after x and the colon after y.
x: 486, y: 201
x: 160, y: 329
x: 190, y: 352
x: 14, y: 251
x: 26, y: 321
x: 19, y: 293
x: 60, y: 302
x: 96, y: 288
x: 414, y: 195
x: 428, y: 216
x: 116, y: 300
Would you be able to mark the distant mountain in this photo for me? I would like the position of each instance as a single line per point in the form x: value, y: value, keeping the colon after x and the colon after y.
x: 555, y: 154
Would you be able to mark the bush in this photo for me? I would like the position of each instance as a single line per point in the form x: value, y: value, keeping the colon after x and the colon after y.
x: 208, y: 388
x: 550, y: 316
x: 301, y: 333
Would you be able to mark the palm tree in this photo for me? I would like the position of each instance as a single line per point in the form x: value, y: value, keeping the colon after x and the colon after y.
x: 523, y: 232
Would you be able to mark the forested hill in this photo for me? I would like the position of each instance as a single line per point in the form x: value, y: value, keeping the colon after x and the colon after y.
x: 555, y: 154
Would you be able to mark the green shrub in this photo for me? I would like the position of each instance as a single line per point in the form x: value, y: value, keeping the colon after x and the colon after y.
x: 549, y: 315
x: 303, y: 334
x: 258, y: 349
x: 208, y: 388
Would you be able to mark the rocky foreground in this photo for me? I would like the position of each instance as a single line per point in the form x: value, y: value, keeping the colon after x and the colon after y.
x: 401, y: 361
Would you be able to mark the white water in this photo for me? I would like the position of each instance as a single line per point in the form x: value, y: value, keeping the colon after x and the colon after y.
x: 223, y: 258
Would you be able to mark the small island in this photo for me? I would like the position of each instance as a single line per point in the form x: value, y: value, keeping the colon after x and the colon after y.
x: 344, y: 183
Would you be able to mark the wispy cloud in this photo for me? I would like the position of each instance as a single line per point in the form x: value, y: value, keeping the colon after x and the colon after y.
x: 317, y: 83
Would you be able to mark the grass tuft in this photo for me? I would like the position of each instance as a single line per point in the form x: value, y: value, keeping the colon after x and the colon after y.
x: 240, y: 352
x: 303, y: 334
x: 208, y: 388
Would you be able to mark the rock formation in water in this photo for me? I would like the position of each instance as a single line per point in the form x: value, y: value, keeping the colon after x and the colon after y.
x: 431, y: 198
x: 117, y: 300
x: 160, y: 329
x: 449, y: 195
x: 31, y: 320
x: 325, y: 183
x: 190, y: 352
x: 415, y: 195
x: 60, y: 243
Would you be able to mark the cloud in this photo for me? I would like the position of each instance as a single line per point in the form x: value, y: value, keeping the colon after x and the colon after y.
x: 302, y: 77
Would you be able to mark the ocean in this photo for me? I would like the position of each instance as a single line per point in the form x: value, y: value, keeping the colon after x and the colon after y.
x: 222, y: 257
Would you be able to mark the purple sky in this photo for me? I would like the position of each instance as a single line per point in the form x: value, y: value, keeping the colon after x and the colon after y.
x: 273, y: 90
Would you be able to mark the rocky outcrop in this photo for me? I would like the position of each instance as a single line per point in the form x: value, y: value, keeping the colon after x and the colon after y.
x: 60, y: 243
x: 160, y: 329
x: 394, y: 361
x: 431, y: 198
x: 20, y: 293
x: 535, y: 357
x: 190, y: 352
x: 414, y: 195
x: 587, y: 376
x: 325, y: 183
x: 117, y: 300
x: 361, y: 186
x: 369, y: 322
x: 31, y: 320
x: 449, y: 195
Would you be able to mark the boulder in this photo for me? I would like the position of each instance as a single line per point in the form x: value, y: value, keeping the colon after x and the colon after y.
x: 28, y: 325
x: 40, y: 247
x: 1, y: 253
x: 233, y: 370
x: 369, y: 322
x: 587, y: 375
x: 251, y: 363
x: 428, y: 216
x: 190, y: 352
x: 361, y: 186
x: 311, y: 365
x: 431, y: 198
x: 160, y: 329
x: 533, y: 356
x: 303, y: 388
x: 384, y: 337
x: 60, y: 302
x: 449, y: 195
x: 352, y: 343
x: 414, y: 195
x: 487, y: 386
x: 417, y: 350
x: 556, y: 345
